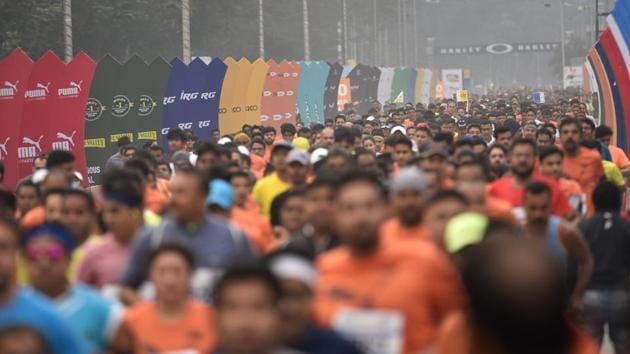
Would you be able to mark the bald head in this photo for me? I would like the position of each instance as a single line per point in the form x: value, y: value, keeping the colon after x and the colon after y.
x: 328, y: 137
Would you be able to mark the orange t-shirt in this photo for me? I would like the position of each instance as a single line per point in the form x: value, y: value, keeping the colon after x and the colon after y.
x: 34, y: 217
x: 258, y: 165
x: 393, y: 231
x: 505, y: 189
x: 255, y: 225
x: 151, y: 334
x: 499, y: 209
x: 585, y: 168
x: 619, y: 157
x: 456, y: 338
x: 410, y: 283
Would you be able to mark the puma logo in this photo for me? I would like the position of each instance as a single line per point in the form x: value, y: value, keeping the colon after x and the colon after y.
x: 43, y: 87
x: 11, y: 85
x: 3, y: 146
x: 27, y: 140
x: 69, y: 139
x: 78, y: 86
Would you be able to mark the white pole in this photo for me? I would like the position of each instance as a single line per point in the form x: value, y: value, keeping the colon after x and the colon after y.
x: 67, y: 30
x: 562, y: 40
x: 345, y: 30
x: 400, y: 44
x: 186, y: 31
x: 374, y: 40
x: 307, y: 47
x: 415, y: 33
x: 261, y: 30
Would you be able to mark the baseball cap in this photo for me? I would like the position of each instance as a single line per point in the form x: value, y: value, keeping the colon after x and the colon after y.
x: 408, y: 178
x: 318, y: 155
x: 224, y: 140
x: 463, y: 230
x: 293, y: 267
x: 299, y: 156
x: 399, y: 128
x: 221, y: 194
x: 435, y: 151
x: 301, y: 143
x: 282, y: 145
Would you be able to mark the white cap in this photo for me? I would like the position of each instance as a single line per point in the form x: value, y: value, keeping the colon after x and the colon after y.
x: 39, y: 176
x: 288, y: 266
x: 318, y: 155
x: 224, y: 140
x: 243, y: 150
x: 399, y: 128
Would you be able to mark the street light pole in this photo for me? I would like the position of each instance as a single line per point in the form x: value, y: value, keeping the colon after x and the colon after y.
x: 400, y: 44
x: 67, y: 30
x: 307, y: 47
x: 345, y: 29
x: 261, y: 30
x: 186, y: 31
x: 562, y: 36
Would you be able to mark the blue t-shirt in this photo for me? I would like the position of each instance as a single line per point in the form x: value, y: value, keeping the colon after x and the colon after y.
x: 32, y: 310
x: 90, y: 315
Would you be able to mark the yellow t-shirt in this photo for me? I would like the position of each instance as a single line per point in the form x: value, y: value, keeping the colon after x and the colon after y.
x: 266, y: 190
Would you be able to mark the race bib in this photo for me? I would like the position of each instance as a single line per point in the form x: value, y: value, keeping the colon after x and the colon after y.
x: 373, y: 331
x: 202, y: 283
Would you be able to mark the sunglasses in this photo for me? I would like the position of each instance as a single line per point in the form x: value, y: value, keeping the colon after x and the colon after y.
x: 51, y: 252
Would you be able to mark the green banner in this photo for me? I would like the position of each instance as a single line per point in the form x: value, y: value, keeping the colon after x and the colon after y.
x: 149, y: 104
x: 97, y: 117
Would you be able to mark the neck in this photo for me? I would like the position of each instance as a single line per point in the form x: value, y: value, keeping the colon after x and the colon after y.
x: 282, y: 175
x: 170, y: 309
x: 57, y: 290
x: 537, y: 230
x: 8, y: 293
x: 194, y: 219
x: 365, y: 251
x: 522, y: 181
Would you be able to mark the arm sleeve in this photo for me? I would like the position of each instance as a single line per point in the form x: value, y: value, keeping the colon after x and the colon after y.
x: 135, y: 272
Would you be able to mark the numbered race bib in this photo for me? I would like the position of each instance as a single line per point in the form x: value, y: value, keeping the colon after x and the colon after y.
x: 373, y: 331
x: 202, y: 283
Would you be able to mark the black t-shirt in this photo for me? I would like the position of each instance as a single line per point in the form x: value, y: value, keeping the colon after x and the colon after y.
x: 608, y: 237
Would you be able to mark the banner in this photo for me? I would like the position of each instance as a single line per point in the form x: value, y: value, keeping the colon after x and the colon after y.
x: 319, y: 106
x: 239, y: 77
x: 410, y: 90
x: 69, y: 108
x: 373, y: 80
x: 97, y: 117
x: 385, y: 85
x: 398, y: 84
x: 215, y: 79
x: 174, y: 100
x: 122, y: 118
x: 201, y: 96
x: 303, y: 92
x: 345, y: 94
x: 254, y: 92
x: 228, y: 91
x: 572, y: 76
x: 453, y: 81
x: 359, y: 79
x: 149, y: 106
x: 279, y: 94
x: 38, y: 128
x: 15, y: 70
x: 500, y: 48
x: 332, y: 90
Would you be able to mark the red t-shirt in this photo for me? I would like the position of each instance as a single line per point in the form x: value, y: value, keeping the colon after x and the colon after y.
x: 506, y: 189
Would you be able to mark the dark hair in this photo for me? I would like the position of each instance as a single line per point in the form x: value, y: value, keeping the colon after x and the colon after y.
x: 478, y: 126
x: 591, y: 144
x: 176, y: 134
x: 344, y: 135
x: 523, y: 141
x: 25, y: 184
x: 587, y: 121
x: 446, y: 137
x: 357, y: 175
x: 250, y: 271
x: 202, y: 179
x: 164, y: 163
x: 269, y: 130
x: 129, y: 147
x: 537, y: 188
x: 58, y: 158
x: 497, y: 146
x: 278, y: 203
x: 548, y: 151
x: 568, y: 121
x: 8, y: 203
x: 243, y: 174
x: 123, y: 141
x: 87, y: 197
x: 501, y: 130
x: 174, y: 247
x: 139, y: 166
x: 208, y: 148
x: 606, y: 197
x: 257, y: 141
x: 155, y: 147
x: 146, y: 156
x: 443, y: 195
x: 124, y: 186
x: 477, y: 163
x: 403, y: 140
x: 603, y: 131
x: 287, y: 128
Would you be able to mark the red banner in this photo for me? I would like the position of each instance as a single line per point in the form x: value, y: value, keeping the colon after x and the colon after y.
x: 14, y: 74
x: 279, y: 94
x: 269, y: 100
x: 38, y: 126
x: 67, y: 126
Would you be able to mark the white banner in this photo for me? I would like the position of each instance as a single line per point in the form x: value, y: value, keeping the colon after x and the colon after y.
x: 453, y: 81
x: 573, y: 76
x: 385, y: 84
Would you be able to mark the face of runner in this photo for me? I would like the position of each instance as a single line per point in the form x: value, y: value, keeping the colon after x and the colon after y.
x: 552, y: 166
x: 247, y: 318
x: 53, y: 206
x: 522, y: 160
x: 505, y: 139
x: 47, y: 262
x: 328, y: 137
x: 402, y: 154
x: 78, y: 216
x: 587, y: 131
x: 258, y: 149
x: 537, y: 208
x: 497, y: 157
x: 409, y: 206
x: 422, y: 137
x: 437, y: 216
x: 170, y: 273
x: 26, y: 199
x: 474, y: 131
x: 486, y: 131
x: 605, y: 140
x: 543, y: 140
x: 358, y: 213
x: 269, y: 137
x: 120, y: 219
x: 318, y: 207
x: 187, y: 200
x: 242, y: 188
x: 570, y: 137
x: 292, y: 216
